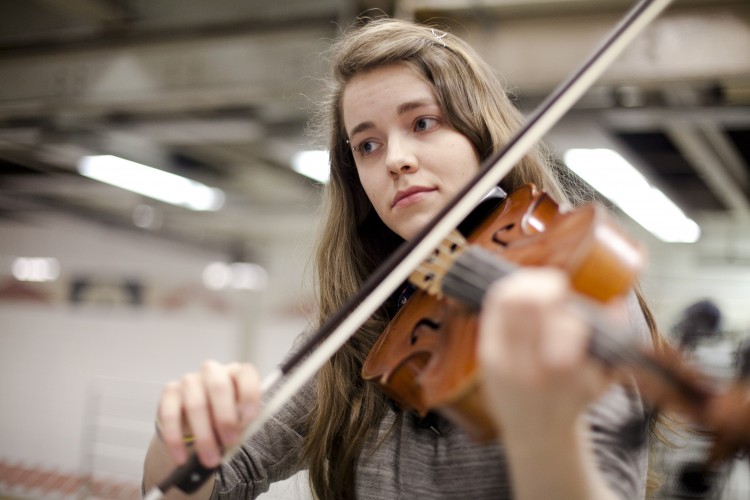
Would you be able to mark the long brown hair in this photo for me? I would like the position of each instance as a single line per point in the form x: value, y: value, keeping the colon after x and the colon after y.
x: 353, y: 240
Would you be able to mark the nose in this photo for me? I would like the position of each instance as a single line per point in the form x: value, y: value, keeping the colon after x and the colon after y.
x: 400, y: 157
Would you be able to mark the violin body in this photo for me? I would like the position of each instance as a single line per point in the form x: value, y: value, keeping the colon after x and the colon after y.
x: 425, y: 359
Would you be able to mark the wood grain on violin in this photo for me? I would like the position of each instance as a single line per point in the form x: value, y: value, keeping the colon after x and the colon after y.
x: 425, y: 360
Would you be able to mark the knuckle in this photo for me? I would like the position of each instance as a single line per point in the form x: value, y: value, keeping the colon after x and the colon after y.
x: 170, y: 392
x: 168, y: 415
x: 224, y: 424
x: 171, y: 387
x: 217, y: 387
x: 250, y: 385
x: 209, y: 366
x: 195, y: 406
x: 189, y: 379
x: 172, y: 440
x: 205, y: 443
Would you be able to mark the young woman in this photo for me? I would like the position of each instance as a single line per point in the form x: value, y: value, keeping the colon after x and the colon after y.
x: 412, y: 112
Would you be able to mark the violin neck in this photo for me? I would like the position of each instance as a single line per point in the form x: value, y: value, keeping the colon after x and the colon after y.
x: 476, y: 269
x: 472, y: 273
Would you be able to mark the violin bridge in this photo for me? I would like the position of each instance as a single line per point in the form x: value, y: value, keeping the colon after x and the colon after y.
x: 430, y: 273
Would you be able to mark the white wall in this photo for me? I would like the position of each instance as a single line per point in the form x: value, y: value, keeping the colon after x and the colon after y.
x: 717, y: 267
x: 52, y: 359
x: 80, y: 381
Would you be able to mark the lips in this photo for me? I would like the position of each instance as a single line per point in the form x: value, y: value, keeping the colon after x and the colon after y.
x: 404, y: 196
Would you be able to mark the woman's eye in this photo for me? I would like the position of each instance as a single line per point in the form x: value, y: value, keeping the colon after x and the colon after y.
x: 366, y: 148
x: 425, y: 123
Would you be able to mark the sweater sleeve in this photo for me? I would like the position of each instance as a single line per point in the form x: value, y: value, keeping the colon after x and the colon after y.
x: 619, y: 426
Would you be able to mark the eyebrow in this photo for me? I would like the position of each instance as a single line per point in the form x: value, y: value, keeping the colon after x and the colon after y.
x: 400, y: 110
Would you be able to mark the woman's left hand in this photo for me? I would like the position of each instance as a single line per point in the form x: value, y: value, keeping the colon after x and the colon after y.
x: 533, y: 354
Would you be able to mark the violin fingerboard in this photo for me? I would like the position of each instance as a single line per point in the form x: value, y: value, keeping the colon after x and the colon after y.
x: 475, y: 270
x: 472, y: 273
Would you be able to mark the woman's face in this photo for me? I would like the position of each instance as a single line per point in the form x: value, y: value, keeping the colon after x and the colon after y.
x: 410, y: 161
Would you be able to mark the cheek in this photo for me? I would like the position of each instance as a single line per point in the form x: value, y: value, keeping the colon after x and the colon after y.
x: 370, y: 187
x: 464, y: 162
x: 463, y: 168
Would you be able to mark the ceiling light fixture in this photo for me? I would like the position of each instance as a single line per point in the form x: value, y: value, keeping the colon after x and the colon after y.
x: 620, y: 182
x: 152, y: 182
x: 313, y: 164
x: 237, y: 275
x: 38, y: 269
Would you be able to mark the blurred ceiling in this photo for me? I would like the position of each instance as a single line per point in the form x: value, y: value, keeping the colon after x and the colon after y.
x: 221, y: 92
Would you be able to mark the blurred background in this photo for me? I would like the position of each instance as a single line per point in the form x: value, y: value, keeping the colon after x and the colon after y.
x: 107, y: 293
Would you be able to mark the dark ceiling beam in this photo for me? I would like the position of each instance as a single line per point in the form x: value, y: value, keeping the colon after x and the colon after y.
x: 96, y: 11
x: 275, y: 71
x: 710, y: 167
x: 128, y: 29
x: 732, y: 160
x: 686, y: 43
x: 278, y: 68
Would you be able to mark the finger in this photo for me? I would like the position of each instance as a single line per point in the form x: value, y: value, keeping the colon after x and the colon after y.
x: 565, y: 349
x: 220, y: 390
x: 198, y: 416
x: 169, y: 422
x: 492, y: 347
x: 247, y: 384
x: 565, y: 353
x: 518, y: 314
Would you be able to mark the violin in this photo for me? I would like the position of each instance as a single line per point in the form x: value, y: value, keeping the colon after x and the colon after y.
x: 425, y: 360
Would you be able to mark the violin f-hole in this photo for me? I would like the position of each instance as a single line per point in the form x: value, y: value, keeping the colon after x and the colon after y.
x: 496, y: 236
x: 424, y: 322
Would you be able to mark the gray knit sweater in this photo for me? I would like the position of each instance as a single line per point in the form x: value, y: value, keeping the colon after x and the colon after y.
x: 406, y: 460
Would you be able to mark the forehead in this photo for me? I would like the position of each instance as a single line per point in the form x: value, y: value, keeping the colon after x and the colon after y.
x: 374, y: 92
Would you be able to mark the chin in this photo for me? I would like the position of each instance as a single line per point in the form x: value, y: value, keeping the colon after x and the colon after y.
x: 410, y: 232
x: 413, y: 225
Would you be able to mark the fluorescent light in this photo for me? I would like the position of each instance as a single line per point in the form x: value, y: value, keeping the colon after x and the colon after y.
x: 151, y: 182
x: 39, y: 269
x: 615, y: 178
x: 238, y: 275
x: 313, y: 164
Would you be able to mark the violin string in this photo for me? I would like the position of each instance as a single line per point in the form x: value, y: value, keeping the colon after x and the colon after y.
x: 467, y: 281
x: 469, y: 284
x: 605, y: 345
x: 606, y: 342
x: 442, y: 265
x: 470, y: 274
x: 441, y: 262
x: 475, y: 272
